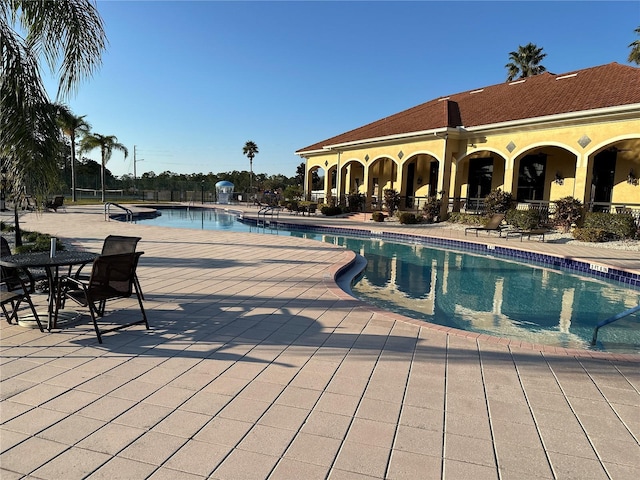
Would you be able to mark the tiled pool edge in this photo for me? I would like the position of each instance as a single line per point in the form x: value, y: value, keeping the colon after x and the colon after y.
x: 599, y: 270
x: 333, y: 284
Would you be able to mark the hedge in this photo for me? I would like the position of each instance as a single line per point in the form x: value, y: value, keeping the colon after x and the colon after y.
x: 619, y: 225
x: 590, y: 234
x: 523, y: 219
x: 407, y: 218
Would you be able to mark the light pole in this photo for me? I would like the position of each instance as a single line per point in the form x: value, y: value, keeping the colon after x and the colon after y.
x: 202, y: 192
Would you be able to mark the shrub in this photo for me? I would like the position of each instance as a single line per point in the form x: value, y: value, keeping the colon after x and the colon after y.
x: 378, y: 216
x: 619, y: 225
x: 523, y: 219
x: 37, y: 242
x: 590, y: 235
x: 431, y: 209
x: 497, y: 202
x: 356, y: 202
x: 465, y: 218
x: 330, y: 211
x: 391, y: 200
x: 407, y: 218
x: 567, y: 212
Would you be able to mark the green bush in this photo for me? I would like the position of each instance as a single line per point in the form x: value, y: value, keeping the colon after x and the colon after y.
x: 37, y: 242
x: 407, y: 218
x: 378, y: 216
x: 466, y: 218
x: 590, y: 235
x: 618, y: 225
x: 568, y: 211
x: 356, y: 202
x: 331, y: 211
x: 497, y: 202
x: 523, y: 219
x: 391, y: 200
x: 431, y: 209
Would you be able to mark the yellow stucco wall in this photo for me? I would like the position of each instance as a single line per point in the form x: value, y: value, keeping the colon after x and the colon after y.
x: 387, y: 162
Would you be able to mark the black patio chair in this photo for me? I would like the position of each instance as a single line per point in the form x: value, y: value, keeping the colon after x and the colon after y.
x: 13, y: 291
x: 29, y: 277
x: 112, y: 277
x: 55, y: 204
x: 112, y: 245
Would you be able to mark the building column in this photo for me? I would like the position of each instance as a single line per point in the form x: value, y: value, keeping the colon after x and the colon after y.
x: 582, y: 185
x: 508, y: 176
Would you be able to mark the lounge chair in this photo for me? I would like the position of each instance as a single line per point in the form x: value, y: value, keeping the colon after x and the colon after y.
x: 112, y: 277
x: 493, y: 225
x: 539, y: 232
x: 55, y: 204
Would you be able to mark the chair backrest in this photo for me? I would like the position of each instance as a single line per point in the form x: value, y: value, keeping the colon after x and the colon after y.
x: 9, y: 276
x: 495, y: 220
x: 114, y: 244
x: 58, y: 200
x: 5, y: 249
x: 113, y: 275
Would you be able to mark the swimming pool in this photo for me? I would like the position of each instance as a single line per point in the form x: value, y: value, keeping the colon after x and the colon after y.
x: 470, y: 291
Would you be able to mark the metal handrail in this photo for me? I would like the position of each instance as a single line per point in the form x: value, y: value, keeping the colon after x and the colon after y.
x: 267, y: 210
x: 107, y: 213
x: 611, y: 320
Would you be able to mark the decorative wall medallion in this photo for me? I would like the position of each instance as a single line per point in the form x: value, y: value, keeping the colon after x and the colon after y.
x: 583, y: 141
x: 511, y: 147
x: 400, y: 154
x: 326, y: 163
x: 366, y: 157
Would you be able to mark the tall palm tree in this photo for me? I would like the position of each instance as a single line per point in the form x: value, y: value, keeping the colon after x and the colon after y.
x: 250, y: 149
x: 69, y: 36
x: 106, y: 143
x: 71, y: 125
x: 634, y: 54
x: 525, y: 62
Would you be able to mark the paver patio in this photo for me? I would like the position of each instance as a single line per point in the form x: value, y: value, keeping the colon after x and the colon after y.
x: 258, y: 366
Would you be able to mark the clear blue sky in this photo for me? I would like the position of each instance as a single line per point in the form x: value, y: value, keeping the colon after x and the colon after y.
x: 189, y: 83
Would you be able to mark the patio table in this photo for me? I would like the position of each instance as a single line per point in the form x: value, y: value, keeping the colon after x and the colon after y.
x: 51, y: 266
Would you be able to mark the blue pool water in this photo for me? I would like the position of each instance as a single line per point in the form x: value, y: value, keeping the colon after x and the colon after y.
x: 473, y: 292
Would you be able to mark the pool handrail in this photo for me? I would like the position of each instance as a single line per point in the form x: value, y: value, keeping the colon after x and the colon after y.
x: 107, y: 213
x: 268, y: 210
x: 611, y: 320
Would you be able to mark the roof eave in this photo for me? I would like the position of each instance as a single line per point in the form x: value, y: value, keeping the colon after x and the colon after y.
x: 597, y: 113
x: 387, y: 138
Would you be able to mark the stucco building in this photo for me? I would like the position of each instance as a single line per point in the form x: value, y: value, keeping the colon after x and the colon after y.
x: 540, y: 138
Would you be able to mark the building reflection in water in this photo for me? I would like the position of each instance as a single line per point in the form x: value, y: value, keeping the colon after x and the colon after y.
x: 493, y: 296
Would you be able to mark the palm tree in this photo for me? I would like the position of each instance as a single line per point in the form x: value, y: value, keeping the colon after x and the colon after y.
x: 250, y: 149
x: 70, y: 37
x: 634, y: 55
x: 70, y: 125
x: 525, y: 62
x: 106, y: 143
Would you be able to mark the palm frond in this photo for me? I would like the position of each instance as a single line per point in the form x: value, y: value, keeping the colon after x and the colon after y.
x: 70, y: 32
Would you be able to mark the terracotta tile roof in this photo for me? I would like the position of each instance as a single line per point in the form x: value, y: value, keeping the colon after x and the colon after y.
x: 542, y: 95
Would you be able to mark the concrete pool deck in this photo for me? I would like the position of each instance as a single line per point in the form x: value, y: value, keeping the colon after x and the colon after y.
x: 257, y: 366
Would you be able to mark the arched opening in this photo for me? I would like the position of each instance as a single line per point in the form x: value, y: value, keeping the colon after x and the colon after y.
x: 478, y: 174
x: 614, y: 176
x: 315, y: 184
x: 382, y: 176
x: 420, y: 175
